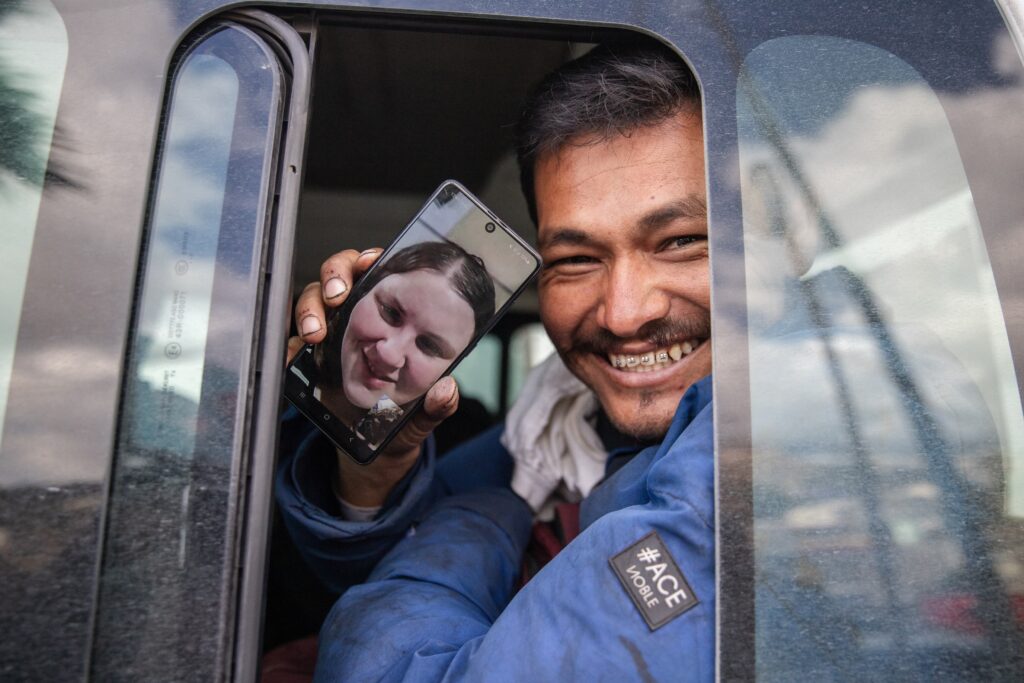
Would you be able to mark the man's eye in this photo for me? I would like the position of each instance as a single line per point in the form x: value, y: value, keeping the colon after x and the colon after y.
x: 572, y: 261
x: 683, y: 241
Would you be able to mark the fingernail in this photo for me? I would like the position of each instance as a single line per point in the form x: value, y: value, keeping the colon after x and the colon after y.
x: 309, y: 325
x: 334, y: 288
x: 449, y: 388
x: 368, y: 252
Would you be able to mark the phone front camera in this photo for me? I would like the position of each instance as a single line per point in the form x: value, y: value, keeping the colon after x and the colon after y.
x: 489, y: 227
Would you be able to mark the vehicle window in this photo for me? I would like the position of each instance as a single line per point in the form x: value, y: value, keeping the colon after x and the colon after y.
x: 886, y: 427
x: 395, y: 112
x: 169, y: 563
x: 33, y: 55
x: 479, y: 373
x: 528, y: 347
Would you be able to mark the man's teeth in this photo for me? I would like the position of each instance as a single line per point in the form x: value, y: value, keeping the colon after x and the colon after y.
x: 652, y: 360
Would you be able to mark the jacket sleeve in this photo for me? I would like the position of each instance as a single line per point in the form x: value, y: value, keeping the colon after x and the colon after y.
x: 341, y: 553
x: 433, y: 608
x: 431, y: 601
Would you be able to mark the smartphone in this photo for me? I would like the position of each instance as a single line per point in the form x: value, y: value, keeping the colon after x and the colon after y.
x: 419, y: 310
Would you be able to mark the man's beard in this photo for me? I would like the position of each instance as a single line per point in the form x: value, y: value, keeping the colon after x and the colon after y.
x: 647, y: 431
x: 659, y: 333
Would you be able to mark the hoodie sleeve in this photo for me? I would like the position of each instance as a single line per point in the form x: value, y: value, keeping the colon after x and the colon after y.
x: 341, y: 552
x: 430, y: 602
x: 440, y: 606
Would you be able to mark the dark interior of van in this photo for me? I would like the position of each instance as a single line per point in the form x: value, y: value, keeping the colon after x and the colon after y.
x: 396, y: 110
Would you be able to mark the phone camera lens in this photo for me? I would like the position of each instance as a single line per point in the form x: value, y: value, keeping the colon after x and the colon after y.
x: 489, y: 227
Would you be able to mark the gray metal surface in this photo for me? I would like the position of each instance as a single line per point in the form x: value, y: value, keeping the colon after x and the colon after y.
x: 255, y: 531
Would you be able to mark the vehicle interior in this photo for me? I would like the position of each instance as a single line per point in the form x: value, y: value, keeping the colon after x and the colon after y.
x: 395, y: 111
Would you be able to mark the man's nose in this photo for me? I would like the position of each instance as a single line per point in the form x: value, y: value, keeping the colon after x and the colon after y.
x: 631, y: 298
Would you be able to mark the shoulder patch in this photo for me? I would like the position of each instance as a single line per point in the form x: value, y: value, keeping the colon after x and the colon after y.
x: 653, y: 581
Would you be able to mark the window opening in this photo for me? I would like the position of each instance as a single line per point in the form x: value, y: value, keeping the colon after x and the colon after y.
x: 398, y: 108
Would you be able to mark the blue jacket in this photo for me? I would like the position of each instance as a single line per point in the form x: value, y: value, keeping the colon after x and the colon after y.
x: 342, y: 553
x: 440, y: 606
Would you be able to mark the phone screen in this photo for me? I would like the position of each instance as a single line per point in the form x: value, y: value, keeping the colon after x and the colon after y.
x: 433, y: 293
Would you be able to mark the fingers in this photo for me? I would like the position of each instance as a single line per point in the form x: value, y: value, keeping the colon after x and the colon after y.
x: 295, y: 345
x: 310, y: 315
x: 366, y: 258
x: 441, y: 402
x: 340, y: 271
x: 337, y: 275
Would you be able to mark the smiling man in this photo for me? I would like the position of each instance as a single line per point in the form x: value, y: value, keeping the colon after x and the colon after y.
x: 622, y: 227
x: 611, y: 437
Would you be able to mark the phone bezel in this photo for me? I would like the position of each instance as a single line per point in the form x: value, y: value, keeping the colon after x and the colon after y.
x: 335, y: 429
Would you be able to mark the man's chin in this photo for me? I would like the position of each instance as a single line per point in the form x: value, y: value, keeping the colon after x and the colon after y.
x: 643, y: 412
x: 648, y: 424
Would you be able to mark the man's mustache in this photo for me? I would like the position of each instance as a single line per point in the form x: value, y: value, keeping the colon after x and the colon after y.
x: 659, y: 333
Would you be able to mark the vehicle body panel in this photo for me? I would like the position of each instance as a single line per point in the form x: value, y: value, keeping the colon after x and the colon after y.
x: 61, y: 424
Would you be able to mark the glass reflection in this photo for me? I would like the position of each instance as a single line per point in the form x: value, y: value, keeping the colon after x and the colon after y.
x: 166, y: 580
x: 175, y: 307
x: 33, y: 54
x: 885, y: 415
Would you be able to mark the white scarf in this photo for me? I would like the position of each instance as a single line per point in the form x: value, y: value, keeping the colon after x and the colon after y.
x: 550, y: 434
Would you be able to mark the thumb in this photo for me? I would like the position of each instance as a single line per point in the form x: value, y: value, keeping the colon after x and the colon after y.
x: 295, y: 345
x: 441, y: 402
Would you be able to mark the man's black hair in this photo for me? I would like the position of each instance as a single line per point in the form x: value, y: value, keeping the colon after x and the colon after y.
x: 612, y: 90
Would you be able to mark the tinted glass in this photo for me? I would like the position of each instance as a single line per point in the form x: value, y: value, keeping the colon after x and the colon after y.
x: 168, y: 570
x: 886, y: 429
x: 33, y: 54
x: 479, y: 373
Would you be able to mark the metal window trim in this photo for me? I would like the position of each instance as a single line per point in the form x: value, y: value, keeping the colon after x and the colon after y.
x: 1013, y: 17
x: 270, y: 350
x: 185, y: 48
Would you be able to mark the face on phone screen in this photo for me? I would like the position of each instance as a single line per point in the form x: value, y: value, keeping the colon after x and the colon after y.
x: 410, y: 318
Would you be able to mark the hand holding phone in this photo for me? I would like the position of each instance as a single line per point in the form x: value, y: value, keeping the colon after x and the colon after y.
x: 407, y: 322
x: 367, y: 485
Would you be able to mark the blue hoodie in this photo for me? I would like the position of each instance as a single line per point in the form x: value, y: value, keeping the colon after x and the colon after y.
x: 617, y: 604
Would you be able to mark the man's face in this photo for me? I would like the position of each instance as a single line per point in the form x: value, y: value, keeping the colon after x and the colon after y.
x: 625, y: 292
